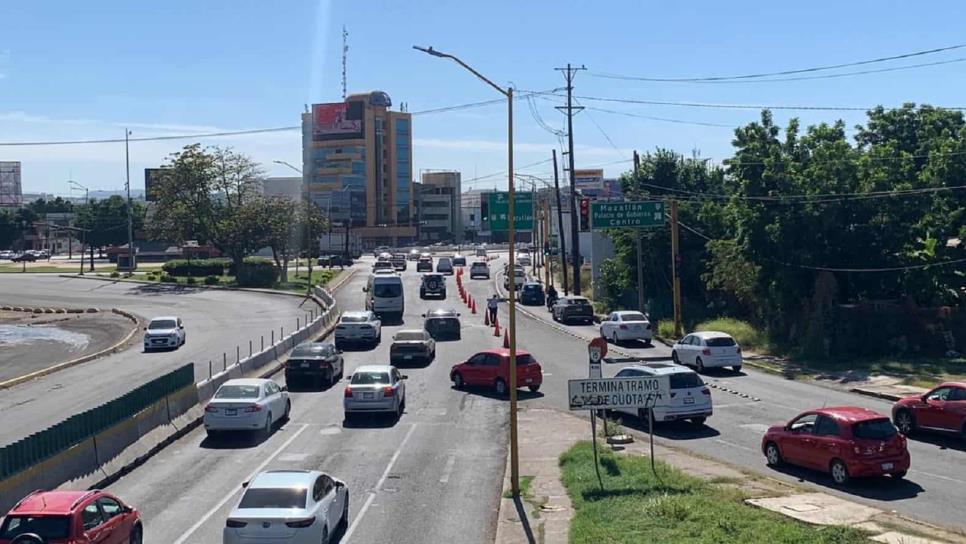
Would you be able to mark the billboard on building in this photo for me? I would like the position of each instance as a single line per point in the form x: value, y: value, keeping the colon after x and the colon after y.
x: 338, y: 121
x: 592, y: 184
x: 152, y: 179
x: 11, y: 192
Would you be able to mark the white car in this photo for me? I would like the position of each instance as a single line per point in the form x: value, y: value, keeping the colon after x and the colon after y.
x: 519, y: 278
x: 247, y: 404
x: 358, y: 327
x: 690, y: 397
x: 623, y: 326
x: 164, y: 332
x: 480, y: 269
x: 523, y: 258
x: 289, y: 506
x: 707, y: 349
x: 375, y: 389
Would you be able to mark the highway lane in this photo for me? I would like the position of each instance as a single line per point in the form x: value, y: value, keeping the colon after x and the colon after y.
x: 216, y: 321
x: 434, y: 476
x: 934, y: 489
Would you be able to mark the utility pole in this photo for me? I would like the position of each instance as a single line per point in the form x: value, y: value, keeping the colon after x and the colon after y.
x: 560, y: 233
x: 675, y: 268
x: 130, y: 217
x: 641, y: 299
x: 569, y: 73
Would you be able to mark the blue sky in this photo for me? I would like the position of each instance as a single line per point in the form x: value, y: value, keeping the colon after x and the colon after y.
x: 71, y: 70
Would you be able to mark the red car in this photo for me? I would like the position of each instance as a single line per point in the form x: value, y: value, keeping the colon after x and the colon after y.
x: 846, y: 442
x: 942, y: 409
x: 71, y: 517
x: 491, y: 368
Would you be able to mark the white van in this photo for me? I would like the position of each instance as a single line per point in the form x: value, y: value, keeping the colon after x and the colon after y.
x: 385, y: 295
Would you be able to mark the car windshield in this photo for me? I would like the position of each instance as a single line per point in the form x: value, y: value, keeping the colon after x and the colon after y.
x: 875, y: 429
x: 685, y: 380
x: 286, y: 497
x: 384, y: 290
x: 719, y: 341
x: 370, y: 378
x: 46, y: 527
x: 354, y: 319
x: 237, y: 392
x: 163, y: 324
x: 633, y: 316
x: 408, y: 336
x: 580, y: 302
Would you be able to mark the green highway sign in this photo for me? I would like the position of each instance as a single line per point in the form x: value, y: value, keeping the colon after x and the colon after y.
x: 606, y: 215
x: 498, y: 212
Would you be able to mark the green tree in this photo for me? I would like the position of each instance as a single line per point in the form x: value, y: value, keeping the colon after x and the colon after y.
x: 9, y: 229
x: 105, y: 221
x: 57, y: 205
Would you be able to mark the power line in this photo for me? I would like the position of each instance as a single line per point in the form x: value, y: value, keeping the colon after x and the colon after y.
x: 784, y: 72
x: 663, y: 119
x: 601, y: 130
x: 805, y: 198
x: 503, y: 173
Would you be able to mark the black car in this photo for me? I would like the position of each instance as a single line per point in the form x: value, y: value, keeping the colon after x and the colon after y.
x: 442, y: 324
x: 315, y: 362
x: 433, y: 285
x: 532, y: 294
x: 25, y: 257
x: 424, y: 264
x: 570, y: 309
x: 334, y: 260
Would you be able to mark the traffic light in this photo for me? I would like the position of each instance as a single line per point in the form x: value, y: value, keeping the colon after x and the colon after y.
x: 584, y: 214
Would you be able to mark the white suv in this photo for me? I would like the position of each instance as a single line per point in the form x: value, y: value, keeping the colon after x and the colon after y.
x: 164, y: 332
x: 690, y: 398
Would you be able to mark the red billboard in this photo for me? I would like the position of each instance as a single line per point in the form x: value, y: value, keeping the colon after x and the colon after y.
x: 337, y: 121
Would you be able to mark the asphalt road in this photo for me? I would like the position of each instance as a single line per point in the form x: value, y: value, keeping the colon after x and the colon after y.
x: 434, y: 476
x: 933, y: 491
x: 216, y: 321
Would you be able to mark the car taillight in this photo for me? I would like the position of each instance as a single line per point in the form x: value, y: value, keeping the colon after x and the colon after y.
x: 706, y: 351
x: 254, y: 408
x: 388, y: 391
x: 211, y: 409
x: 234, y: 523
x: 623, y: 327
x: 706, y: 391
x: 301, y: 524
x: 347, y: 393
x: 738, y: 350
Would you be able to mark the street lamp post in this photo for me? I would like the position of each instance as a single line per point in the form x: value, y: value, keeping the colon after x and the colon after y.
x: 130, y: 213
x: 508, y: 93
x: 87, y: 201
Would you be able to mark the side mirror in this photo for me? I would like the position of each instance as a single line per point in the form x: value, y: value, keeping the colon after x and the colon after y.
x: 403, y: 377
x: 284, y: 388
x: 348, y: 378
x: 145, y: 328
x: 365, y: 289
x: 339, y: 485
x: 244, y: 485
x: 458, y: 314
x: 424, y: 315
x: 339, y: 351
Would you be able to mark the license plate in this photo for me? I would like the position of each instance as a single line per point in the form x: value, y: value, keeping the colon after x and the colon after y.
x: 305, y: 365
x: 688, y: 400
x: 230, y: 411
x: 367, y: 396
x: 529, y: 380
x: 407, y: 357
x: 887, y: 466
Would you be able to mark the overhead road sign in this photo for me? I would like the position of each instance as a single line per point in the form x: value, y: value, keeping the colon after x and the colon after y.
x: 606, y: 215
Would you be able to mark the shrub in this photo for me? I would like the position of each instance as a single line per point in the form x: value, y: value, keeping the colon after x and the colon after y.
x: 743, y: 332
x: 167, y: 278
x: 115, y: 274
x: 665, y: 328
x: 196, y: 267
x: 191, y: 281
x: 211, y: 280
x: 257, y: 272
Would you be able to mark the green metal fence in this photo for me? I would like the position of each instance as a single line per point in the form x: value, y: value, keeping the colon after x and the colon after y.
x: 44, y: 444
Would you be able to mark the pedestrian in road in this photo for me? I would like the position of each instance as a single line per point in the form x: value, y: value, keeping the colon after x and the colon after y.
x: 491, y: 306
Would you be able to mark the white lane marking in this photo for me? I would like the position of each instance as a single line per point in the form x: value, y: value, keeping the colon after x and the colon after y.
x: 448, y: 469
x: 732, y: 444
x: 226, y: 498
x: 931, y: 475
x: 756, y: 427
x: 382, y: 480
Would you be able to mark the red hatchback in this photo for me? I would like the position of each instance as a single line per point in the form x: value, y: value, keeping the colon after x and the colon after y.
x: 491, y: 368
x: 846, y: 442
x: 71, y: 517
x: 942, y: 409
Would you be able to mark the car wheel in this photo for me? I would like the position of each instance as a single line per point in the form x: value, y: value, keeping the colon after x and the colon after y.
x: 772, y: 454
x: 840, y: 473
x: 288, y: 410
x: 344, y: 520
x: 458, y: 381
x: 212, y: 433
x: 615, y: 339
x: 399, y: 411
x: 905, y: 422
x: 325, y: 534
x: 700, y: 365
x: 674, y: 357
x: 899, y: 475
x: 698, y: 420
x: 500, y: 387
x: 267, y: 430
x: 137, y: 535
x: 534, y: 388
x: 736, y: 368
x: 647, y: 343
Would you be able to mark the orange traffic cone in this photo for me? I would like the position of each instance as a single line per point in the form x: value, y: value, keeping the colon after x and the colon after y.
x: 473, y: 306
x: 496, y: 328
x: 506, y: 339
x: 486, y: 318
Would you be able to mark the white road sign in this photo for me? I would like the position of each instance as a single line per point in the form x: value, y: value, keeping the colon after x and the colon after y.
x: 630, y: 392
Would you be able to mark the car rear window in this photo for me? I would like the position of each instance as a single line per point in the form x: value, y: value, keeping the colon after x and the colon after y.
x: 534, y: 288
x: 370, y: 378
x: 720, y: 341
x: 580, y: 302
x: 875, y: 429
x: 685, y: 380
x: 309, y: 351
x: 354, y: 319
x: 46, y: 527
x: 405, y: 336
x: 237, y: 392
x: 386, y: 290
x: 633, y: 316
x: 274, y: 498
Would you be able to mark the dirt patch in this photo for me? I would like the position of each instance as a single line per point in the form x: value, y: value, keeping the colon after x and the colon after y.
x: 32, y: 342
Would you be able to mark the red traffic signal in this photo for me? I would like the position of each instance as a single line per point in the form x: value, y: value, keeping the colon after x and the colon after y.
x: 584, y: 214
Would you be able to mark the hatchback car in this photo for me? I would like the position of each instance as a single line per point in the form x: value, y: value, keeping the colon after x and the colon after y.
x: 943, y: 409
x: 707, y: 349
x: 375, y: 389
x: 531, y: 294
x: 164, y: 332
x: 523, y: 258
x: 72, y: 517
x: 491, y: 368
x: 623, y: 326
x: 410, y: 345
x: 480, y: 269
x: 444, y: 266
x: 846, y: 442
x: 316, y: 362
x: 519, y: 278
x: 690, y: 397
x: 481, y: 252
x: 459, y: 260
x: 399, y: 262
x: 442, y: 324
x: 433, y: 285
x: 358, y: 328
x: 424, y: 264
x: 291, y: 506
x: 247, y: 404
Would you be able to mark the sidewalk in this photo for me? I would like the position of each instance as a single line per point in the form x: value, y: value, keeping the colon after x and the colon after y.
x: 544, y: 511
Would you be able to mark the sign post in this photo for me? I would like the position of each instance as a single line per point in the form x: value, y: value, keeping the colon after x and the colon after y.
x: 596, y: 350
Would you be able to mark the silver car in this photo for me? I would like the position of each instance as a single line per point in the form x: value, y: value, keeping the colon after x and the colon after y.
x: 375, y: 389
x: 289, y: 506
x: 409, y: 345
x: 247, y: 404
x: 164, y: 332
